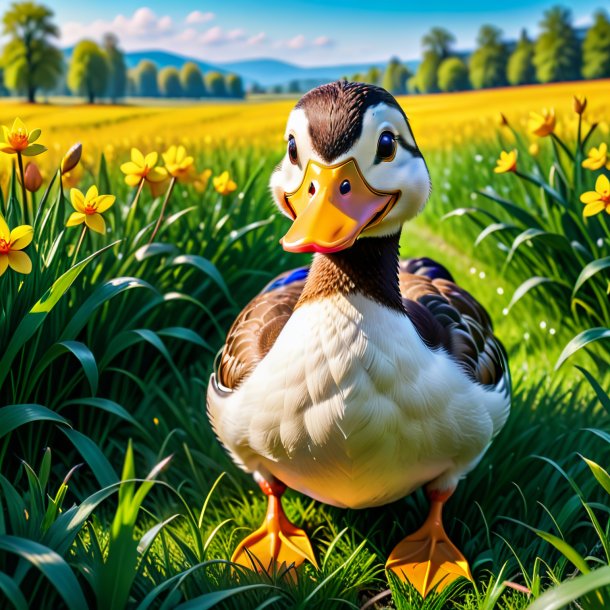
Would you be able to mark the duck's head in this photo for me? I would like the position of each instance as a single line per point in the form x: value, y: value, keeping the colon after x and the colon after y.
x: 352, y: 168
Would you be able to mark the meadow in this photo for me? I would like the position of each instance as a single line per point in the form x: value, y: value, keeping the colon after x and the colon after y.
x: 114, y: 492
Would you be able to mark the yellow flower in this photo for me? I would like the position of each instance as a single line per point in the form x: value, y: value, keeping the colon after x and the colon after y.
x: 507, y: 162
x: 18, y: 139
x: 597, y: 157
x: 143, y: 168
x: 11, y: 245
x: 223, y: 183
x: 542, y: 124
x: 89, y: 209
x: 71, y: 158
x: 178, y: 164
x: 534, y: 149
x: 598, y: 200
x: 201, y: 181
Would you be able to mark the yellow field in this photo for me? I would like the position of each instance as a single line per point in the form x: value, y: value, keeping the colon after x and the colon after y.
x: 438, y: 120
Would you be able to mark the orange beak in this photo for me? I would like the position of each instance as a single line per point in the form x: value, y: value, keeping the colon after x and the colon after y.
x: 332, y: 206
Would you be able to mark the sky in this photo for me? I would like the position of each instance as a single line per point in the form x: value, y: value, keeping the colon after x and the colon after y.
x: 308, y: 33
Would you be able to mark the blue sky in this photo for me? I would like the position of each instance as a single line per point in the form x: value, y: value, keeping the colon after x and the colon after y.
x: 316, y: 32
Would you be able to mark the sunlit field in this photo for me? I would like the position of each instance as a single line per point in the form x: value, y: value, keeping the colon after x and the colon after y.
x: 107, y: 345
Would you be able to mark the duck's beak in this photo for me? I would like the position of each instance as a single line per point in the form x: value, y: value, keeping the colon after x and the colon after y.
x: 333, y: 205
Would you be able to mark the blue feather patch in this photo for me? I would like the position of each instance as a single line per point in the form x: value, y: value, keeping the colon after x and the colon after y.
x: 284, y: 280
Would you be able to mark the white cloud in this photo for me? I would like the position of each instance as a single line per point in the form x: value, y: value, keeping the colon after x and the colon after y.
x: 256, y: 39
x: 144, y: 23
x: 300, y: 42
x: 216, y: 36
x: 197, y: 17
x: 323, y: 41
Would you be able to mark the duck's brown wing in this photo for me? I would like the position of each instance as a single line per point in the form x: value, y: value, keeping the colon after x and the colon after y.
x: 448, y: 317
x: 257, y: 327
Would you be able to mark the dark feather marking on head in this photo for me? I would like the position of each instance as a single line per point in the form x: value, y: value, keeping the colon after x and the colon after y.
x: 335, y: 113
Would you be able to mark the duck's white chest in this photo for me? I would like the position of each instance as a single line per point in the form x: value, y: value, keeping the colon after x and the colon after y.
x: 350, y: 407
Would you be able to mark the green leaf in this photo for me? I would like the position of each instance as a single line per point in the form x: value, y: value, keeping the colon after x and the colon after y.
x: 93, y: 455
x: 208, y: 268
x: 589, y: 271
x: 470, y: 211
x: 13, y: 416
x: 155, y: 249
x: 37, y: 315
x: 52, y: 565
x: 110, y: 406
x: 101, y: 295
x: 516, y: 211
x: 581, y: 340
x: 602, y: 476
x: 185, y: 334
x: 553, y: 240
x: 562, y: 596
x: 570, y: 553
x: 209, y: 600
x: 81, y: 352
x: 604, y: 398
x: 530, y: 284
x: 493, y: 228
x: 12, y: 592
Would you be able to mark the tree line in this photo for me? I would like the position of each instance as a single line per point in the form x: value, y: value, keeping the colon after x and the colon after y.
x: 31, y: 62
x: 558, y: 54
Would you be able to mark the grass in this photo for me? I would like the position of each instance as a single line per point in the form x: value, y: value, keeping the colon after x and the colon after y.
x: 113, y: 488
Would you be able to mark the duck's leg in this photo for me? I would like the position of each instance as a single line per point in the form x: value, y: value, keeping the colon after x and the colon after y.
x: 277, y: 541
x: 427, y: 558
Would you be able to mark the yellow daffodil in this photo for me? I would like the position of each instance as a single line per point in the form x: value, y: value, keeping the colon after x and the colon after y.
x: 223, y: 183
x: 507, y: 162
x: 143, y: 168
x: 542, y: 124
x: 178, y: 164
x: 11, y: 245
x: 579, y: 103
x: 201, y: 181
x: 598, y: 200
x: 597, y: 158
x: 89, y: 209
x: 18, y: 139
x: 534, y: 149
x: 71, y: 158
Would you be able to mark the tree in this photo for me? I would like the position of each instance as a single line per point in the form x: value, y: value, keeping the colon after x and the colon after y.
x: 488, y: 63
x: 395, y: 77
x: 294, y: 87
x: 234, y: 86
x: 169, y: 82
x: 215, y: 84
x: 557, y: 50
x: 146, y: 79
x: 31, y: 62
x: 438, y: 41
x: 191, y: 80
x: 452, y: 75
x: 117, y: 70
x: 437, y: 45
x: 88, y: 74
x: 520, y: 67
x: 596, y: 48
x: 256, y: 88
x: 373, y: 76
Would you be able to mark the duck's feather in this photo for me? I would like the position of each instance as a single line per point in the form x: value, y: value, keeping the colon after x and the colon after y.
x: 446, y: 317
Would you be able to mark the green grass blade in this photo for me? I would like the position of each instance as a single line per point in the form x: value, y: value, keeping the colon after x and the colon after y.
x: 209, y: 600
x: 581, y: 340
x: 13, y: 416
x: 93, y: 455
x: 12, y: 592
x: 571, y: 590
x: 52, y: 565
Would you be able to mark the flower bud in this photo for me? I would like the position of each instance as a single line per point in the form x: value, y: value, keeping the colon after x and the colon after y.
x: 71, y: 158
x: 580, y: 103
x: 32, y: 177
x: 502, y: 120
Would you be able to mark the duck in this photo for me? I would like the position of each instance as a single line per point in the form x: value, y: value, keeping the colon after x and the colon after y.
x: 363, y: 377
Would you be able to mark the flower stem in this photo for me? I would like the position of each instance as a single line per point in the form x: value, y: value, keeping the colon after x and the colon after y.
x: 132, y: 207
x: 24, y: 199
x: 165, y: 201
x: 79, y: 244
x: 565, y: 149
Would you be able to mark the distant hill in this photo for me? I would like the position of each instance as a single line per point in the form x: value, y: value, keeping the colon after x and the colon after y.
x: 265, y: 72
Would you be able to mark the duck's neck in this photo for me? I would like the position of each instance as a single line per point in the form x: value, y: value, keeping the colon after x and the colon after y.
x: 369, y: 267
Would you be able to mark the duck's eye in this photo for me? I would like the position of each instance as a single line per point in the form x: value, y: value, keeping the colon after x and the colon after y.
x: 386, y: 146
x: 292, y: 150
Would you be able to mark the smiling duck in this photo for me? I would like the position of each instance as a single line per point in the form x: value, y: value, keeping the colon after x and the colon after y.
x: 362, y: 378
